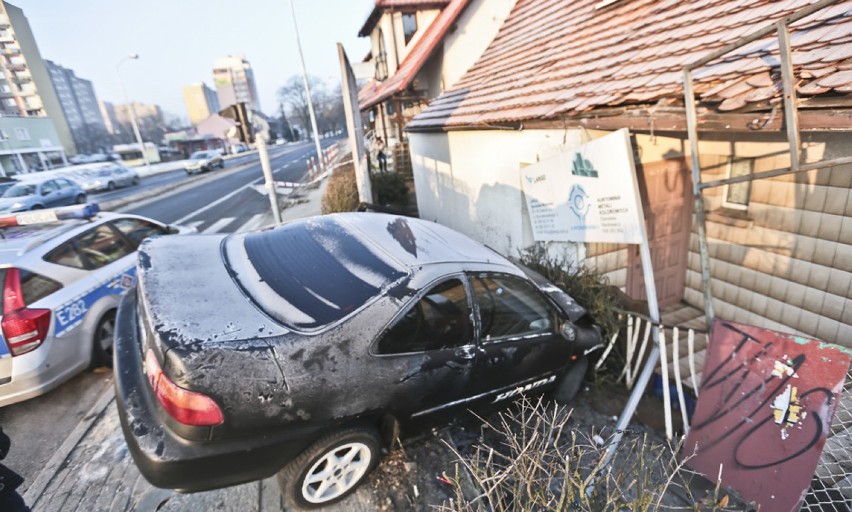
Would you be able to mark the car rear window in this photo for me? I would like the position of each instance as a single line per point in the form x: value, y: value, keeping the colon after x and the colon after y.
x: 34, y: 286
x: 319, y: 271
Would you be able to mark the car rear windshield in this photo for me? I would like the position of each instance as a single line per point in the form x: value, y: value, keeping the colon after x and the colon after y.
x: 319, y: 271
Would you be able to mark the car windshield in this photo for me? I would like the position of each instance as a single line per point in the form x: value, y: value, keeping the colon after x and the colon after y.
x: 198, y: 155
x: 21, y: 190
x: 104, y: 174
x: 318, y: 271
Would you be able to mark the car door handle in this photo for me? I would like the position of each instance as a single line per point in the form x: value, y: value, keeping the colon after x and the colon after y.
x: 466, y: 353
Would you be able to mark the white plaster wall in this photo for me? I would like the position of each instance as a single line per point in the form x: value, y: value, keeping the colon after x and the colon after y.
x: 476, y: 28
x: 478, y: 190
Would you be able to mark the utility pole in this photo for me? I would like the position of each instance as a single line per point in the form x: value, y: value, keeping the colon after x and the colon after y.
x: 132, y: 109
x: 307, y: 89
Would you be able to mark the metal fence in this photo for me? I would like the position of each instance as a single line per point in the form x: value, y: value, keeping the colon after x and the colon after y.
x: 680, y: 369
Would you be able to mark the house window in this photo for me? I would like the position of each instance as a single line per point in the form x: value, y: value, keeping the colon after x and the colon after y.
x: 381, y: 58
x: 22, y: 134
x: 737, y: 194
x: 409, y: 26
x: 10, y: 102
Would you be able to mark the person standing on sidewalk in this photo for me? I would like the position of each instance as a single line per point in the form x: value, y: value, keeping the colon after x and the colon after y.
x: 10, y: 500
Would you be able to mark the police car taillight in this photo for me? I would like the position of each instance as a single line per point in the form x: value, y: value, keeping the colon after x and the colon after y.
x: 24, y: 329
x: 185, y: 406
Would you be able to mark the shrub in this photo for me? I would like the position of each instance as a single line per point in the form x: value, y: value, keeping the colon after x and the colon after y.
x: 389, y: 189
x: 341, y: 194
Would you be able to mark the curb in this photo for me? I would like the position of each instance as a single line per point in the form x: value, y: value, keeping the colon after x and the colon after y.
x: 45, y: 476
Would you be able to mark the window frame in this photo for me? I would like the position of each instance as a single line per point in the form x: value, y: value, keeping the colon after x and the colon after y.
x: 474, y: 332
x: 555, y: 313
x: 730, y: 167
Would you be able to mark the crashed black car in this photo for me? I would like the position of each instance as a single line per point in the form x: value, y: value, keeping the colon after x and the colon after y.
x: 307, y: 348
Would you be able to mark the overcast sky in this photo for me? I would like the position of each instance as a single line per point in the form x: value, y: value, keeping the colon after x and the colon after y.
x: 178, y: 40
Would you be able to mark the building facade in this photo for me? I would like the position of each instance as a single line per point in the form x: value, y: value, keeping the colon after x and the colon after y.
x: 29, y: 144
x: 234, y: 81
x: 201, y: 101
x: 26, y: 88
x: 80, y: 106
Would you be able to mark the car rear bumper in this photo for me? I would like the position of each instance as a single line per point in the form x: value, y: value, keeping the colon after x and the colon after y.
x: 170, y: 461
x: 34, y: 374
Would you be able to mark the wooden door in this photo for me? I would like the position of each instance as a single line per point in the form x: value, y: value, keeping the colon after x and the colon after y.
x: 666, y: 189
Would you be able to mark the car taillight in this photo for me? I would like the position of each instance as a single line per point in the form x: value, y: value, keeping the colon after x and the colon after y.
x: 185, y: 406
x: 24, y: 329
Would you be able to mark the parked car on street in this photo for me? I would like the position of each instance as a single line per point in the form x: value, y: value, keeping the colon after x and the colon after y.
x: 108, y: 177
x: 34, y: 194
x: 62, y: 271
x: 239, y: 148
x: 202, y: 161
x: 305, y: 349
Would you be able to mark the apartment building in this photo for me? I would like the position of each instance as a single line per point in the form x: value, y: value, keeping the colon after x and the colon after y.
x: 201, y: 101
x: 26, y: 88
x: 234, y: 81
x: 80, y: 106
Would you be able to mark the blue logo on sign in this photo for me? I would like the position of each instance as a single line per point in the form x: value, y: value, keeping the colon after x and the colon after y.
x: 578, y: 201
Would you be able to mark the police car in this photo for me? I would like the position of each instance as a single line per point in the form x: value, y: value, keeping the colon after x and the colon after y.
x: 62, y: 272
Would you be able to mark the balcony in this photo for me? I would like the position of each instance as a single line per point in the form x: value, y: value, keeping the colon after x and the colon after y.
x: 16, y: 66
x: 21, y: 80
x: 11, y: 50
x: 6, y: 37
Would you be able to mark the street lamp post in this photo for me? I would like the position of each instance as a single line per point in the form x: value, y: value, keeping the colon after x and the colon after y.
x: 132, y: 56
x: 307, y: 90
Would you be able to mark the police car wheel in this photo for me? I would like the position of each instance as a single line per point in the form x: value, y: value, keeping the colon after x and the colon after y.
x: 330, y: 469
x: 568, y: 387
x: 103, y: 341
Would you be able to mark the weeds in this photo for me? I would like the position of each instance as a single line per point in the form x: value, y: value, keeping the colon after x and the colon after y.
x: 530, y: 459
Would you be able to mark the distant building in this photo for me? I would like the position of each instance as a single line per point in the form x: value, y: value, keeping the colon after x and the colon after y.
x: 29, y: 144
x: 80, y: 106
x: 25, y: 85
x: 201, y: 101
x: 234, y: 80
x: 148, y: 117
x: 108, y: 116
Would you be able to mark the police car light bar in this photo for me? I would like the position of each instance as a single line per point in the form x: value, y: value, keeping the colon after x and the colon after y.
x: 80, y: 211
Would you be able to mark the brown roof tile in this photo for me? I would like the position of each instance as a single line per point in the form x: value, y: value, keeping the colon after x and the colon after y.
x: 553, y: 57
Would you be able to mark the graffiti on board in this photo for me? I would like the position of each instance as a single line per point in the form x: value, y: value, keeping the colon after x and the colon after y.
x: 764, y: 411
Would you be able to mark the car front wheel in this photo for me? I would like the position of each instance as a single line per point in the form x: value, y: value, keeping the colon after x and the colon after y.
x: 568, y: 387
x: 81, y: 199
x: 330, y: 469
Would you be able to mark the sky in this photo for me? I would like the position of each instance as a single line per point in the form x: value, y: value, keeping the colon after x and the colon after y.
x: 178, y: 40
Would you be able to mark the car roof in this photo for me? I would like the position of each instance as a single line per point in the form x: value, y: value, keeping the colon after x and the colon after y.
x: 19, y: 240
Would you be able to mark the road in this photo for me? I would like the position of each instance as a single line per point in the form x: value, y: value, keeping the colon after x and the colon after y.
x: 220, y: 201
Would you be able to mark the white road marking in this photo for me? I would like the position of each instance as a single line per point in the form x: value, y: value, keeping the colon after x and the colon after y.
x: 253, y: 223
x: 219, y: 224
x: 194, y: 224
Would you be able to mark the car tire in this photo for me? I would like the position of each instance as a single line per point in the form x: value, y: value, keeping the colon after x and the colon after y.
x: 81, y: 199
x: 222, y: 164
x: 325, y: 463
x: 36, y: 207
x: 110, y: 186
x: 135, y: 181
x: 102, y: 341
x: 570, y: 383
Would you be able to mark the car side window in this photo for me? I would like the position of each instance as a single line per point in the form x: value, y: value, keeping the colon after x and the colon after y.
x: 66, y: 255
x: 439, y: 320
x: 63, y: 183
x: 103, y: 245
x: 49, y: 186
x: 510, y: 307
x: 137, y: 230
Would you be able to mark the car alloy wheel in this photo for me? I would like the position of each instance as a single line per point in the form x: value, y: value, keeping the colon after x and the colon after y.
x: 330, y: 469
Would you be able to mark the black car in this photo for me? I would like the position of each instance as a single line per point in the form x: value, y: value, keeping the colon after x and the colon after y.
x: 307, y: 348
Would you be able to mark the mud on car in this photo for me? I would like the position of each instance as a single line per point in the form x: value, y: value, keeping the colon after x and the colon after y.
x: 304, y: 350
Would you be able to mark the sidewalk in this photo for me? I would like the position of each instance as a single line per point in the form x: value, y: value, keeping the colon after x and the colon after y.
x: 93, y: 469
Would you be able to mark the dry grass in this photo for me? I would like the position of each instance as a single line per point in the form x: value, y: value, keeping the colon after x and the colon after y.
x: 341, y: 194
x: 530, y: 459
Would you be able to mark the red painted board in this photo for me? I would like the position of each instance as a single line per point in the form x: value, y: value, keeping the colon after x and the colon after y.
x: 764, y: 411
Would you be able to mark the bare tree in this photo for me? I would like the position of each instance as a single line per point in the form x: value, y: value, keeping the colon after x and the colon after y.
x: 328, y: 104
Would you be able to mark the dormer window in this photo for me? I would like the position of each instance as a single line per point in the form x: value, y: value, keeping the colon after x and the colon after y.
x: 409, y: 26
x: 381, y: 58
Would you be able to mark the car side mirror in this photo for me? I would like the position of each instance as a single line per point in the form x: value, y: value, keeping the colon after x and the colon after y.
x: 568, y: 331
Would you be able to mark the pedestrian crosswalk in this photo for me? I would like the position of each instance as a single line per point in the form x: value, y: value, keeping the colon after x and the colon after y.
x: 231, y: 224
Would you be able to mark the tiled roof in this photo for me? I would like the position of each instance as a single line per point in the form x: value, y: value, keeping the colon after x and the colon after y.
x: 384, y: 5
x: 375, y: 92
x: 554, y: 58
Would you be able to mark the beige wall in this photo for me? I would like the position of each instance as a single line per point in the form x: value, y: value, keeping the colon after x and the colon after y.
x: 784, y: 263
